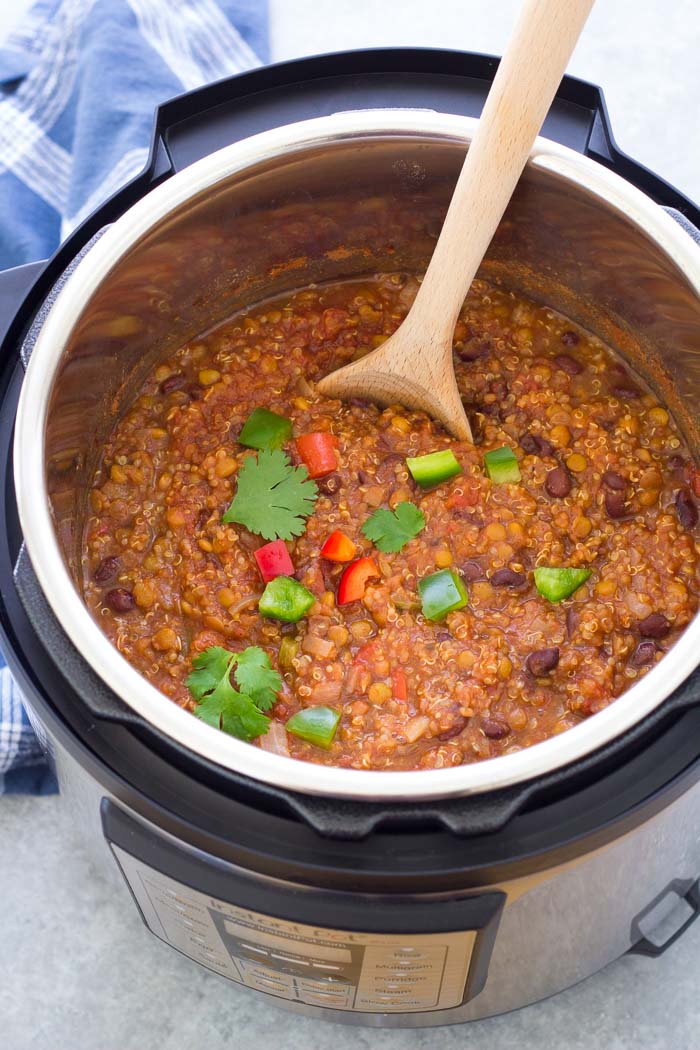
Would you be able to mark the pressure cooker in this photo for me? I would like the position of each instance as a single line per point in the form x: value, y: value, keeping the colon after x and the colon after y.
x: 383, y: 899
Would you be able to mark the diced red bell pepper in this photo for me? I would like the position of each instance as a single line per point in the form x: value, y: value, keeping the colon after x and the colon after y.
x: 399, y: 685
x: 273, y: 560
x: 318, y: 452
x: 338, y: 547
x: 354, y: 580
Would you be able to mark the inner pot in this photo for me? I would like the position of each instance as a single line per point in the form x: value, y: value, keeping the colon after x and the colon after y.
x: 338, y: 197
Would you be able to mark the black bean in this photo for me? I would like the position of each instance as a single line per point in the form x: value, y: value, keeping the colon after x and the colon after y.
x: 329, y: 485
x: 571, y: 621
x: 202, y: 519
x: 389, y: 466
x: 363, y: 477
x: 685, y: 509
x: 174, y: 382
x: 196, y: 393
x: 542, y: 661
x: 614, y: 480
x: 626, y: 390
x: 644, y: 653
x: 474, y: 349
x: 615, y: 504
x: 106, y: 570
x: 570, y: 338
x: 471, y: 570
x: 494, y: 728
x: 568, y: 364
x: 359, y: 402
x: 558, y: 483
x: 508, y: 578
x: 654, y: 626
x: 676, y: 462
x: 536, y: 445
x: 120, y: 600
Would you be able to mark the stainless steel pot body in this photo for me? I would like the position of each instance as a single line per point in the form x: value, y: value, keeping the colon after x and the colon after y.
x: 333, y: 198
x: 557, y: 926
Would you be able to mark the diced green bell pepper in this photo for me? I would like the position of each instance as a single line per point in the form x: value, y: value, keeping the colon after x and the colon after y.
x: 502, y: 465
x: 435, y: 467
x: 442, y: 593
x: 285, y: 599
x: 557, y: 584
x: 265, y: 430
x: 315, y: 724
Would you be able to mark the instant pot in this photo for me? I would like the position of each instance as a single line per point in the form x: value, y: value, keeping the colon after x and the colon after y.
x: 385, y: 899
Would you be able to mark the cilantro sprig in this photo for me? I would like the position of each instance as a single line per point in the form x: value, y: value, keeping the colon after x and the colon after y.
x: 273, y: 498
x: 219, y: 704
x: 391, y: 530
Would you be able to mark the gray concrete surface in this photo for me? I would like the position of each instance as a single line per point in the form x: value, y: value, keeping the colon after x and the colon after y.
x: 77, y: 969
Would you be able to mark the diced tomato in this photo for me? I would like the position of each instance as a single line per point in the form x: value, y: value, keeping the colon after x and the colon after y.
x: 465, y: 494
x: 366, y: 652
x: 338, y: 547
x: 399, y: 685
x: 354, y: 580
x: 273, y: 560
x: 317, y: 452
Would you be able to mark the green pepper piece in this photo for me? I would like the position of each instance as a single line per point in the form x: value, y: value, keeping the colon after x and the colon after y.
x: 285, y: 599
x: 289, y: 648
x: 442, y: 593
x: 435, y: 467
x: 502, y: 465
x: 315, y: 724
x: 264, y: 429
x: 557, y: 584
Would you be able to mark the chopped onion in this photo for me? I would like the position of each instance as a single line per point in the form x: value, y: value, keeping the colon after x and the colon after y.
x: 275, y: 740
x: 316, y: 646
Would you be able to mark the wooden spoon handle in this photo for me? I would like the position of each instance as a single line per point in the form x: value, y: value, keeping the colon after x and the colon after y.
x: 527, y: 79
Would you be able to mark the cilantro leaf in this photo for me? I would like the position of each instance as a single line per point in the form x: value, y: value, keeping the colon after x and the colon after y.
x: 273, y: 497
x: 391, y: 530
x: 222, y: 706
x: 256, y: 677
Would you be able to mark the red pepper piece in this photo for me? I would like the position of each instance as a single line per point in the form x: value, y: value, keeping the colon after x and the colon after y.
x: 317, y: 452
x: 399, y: 685
x: 273, y: 560
x: 354, y: 580
x: 338, y: 547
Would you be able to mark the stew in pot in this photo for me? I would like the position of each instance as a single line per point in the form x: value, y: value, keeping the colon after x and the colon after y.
x: 348, y: 584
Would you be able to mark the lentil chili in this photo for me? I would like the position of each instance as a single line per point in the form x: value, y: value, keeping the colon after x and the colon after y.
x: 576, y: 467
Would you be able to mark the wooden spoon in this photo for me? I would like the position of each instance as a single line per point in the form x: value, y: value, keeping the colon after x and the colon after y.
x: 414, y: 366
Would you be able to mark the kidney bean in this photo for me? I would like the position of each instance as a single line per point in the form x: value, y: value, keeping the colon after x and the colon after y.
x: 685, y: 509
x: 329, y: 485
x: 644, y: 653
x: 363, y: 477
x: 196, y: 393
x: 106, y: 570
x: 120, y: 600
x: 471, y: 570
x: 542, y: 661
x: 676, y: 462
x: 614, y: 480
x: 202, y: 519
x: 455, y: 729
x: 654, y: 626
x: 174, y: 382
x: 568, y: 364
x: 615, y: 504
x: 495, y: 729
x: 508, y: 578
x: 570, y: 338
x: 558, y: 483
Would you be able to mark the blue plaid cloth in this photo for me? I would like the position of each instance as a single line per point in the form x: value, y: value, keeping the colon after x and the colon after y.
x: 79, y: 82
